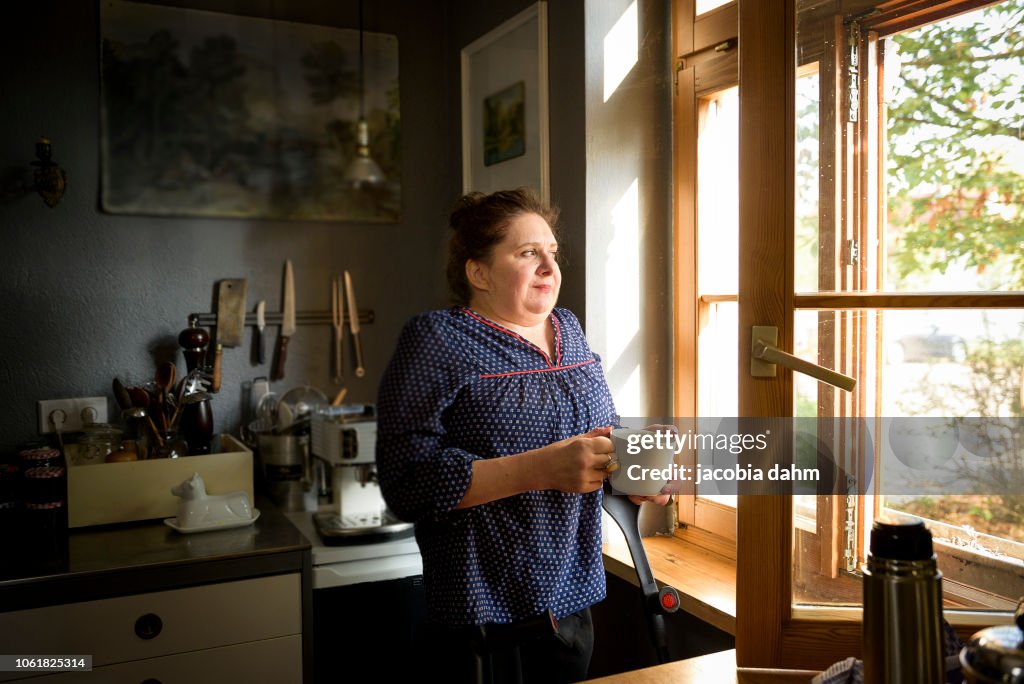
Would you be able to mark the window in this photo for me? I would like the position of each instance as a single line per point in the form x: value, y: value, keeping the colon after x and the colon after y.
x: 707, y: 109
x: 884, y: 243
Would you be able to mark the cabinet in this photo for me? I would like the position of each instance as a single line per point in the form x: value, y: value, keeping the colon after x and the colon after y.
x: 377, y: 621
x: 245, y: 630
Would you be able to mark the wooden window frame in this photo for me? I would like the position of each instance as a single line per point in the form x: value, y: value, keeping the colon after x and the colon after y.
x: 769, y: 634
x: 706, y: 62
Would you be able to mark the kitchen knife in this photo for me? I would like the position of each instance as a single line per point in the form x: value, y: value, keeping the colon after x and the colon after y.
x: 353, y: 324
x: 230, y: 311
x: 287, y: 321
x: 261, y: 323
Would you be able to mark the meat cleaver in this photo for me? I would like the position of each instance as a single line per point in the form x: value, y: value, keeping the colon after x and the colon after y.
x: 230, y: 311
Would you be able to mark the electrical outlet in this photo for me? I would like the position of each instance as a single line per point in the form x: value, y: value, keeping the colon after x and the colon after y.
x: 77, y: 412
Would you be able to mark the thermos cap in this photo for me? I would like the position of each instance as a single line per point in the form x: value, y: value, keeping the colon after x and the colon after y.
x: 897, y: 540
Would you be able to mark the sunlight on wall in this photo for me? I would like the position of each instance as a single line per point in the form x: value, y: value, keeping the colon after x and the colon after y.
x: 622, y: 298
x: 621, y: 47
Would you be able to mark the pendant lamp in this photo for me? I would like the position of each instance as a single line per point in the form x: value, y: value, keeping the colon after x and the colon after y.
x: 362, y: 170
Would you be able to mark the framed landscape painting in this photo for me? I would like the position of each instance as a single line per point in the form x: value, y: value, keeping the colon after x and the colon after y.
x: 220, y: 115
x: 505, y: 124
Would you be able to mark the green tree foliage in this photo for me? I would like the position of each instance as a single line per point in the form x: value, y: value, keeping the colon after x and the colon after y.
x: 956, y: 190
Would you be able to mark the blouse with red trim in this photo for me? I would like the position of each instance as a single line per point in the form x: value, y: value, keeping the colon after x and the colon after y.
x: 459, y: 388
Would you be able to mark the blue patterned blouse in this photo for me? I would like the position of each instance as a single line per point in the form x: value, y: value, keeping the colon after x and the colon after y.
x: 460, y: 388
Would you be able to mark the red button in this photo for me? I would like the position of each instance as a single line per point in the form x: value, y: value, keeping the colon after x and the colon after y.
x: 668, y: 601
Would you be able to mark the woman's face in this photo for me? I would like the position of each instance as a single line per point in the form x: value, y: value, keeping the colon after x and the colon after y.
x: 519, y: 283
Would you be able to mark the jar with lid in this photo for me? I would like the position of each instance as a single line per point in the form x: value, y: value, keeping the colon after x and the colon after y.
x: 44, y: 519
x: 98, y: 440
x: 172, y: 445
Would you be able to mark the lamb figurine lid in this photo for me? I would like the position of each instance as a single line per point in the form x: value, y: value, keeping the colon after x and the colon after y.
x: 199, y: 511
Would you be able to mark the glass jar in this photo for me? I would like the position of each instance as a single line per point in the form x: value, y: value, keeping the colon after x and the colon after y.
x: 96, y: 443
x: 173, y: 446
x: 136, y: 429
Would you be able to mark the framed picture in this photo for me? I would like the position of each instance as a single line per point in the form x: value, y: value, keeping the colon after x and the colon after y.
x: 221, y: 115
x: 505, y: 106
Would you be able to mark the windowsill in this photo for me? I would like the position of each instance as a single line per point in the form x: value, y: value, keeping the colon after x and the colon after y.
x: 706, y: 582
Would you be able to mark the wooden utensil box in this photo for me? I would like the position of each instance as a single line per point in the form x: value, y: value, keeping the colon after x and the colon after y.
x: 141, y: 490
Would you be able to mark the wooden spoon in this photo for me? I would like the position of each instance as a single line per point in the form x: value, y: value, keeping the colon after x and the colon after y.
x: 121, y: 395
x: 139, y: 397
x: 165, y: 375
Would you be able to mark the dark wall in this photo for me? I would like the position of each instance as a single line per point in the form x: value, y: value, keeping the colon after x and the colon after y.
x: 86, y: 296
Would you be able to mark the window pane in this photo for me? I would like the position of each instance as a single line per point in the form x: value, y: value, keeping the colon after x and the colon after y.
x: 717, y: 380
x: 931, y: 160
x: 943, y: 364
x: 718, y: 194
x: 717, y: 372
x: 955, y: 154
x: 718, y: 264
x: 708, y: 5
x: 806, y: 208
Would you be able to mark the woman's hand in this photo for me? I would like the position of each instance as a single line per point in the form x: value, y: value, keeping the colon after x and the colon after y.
x: 660, y: 499
x: 578, y: 464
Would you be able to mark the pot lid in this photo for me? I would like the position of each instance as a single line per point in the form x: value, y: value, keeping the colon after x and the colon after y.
x: 998, y: 652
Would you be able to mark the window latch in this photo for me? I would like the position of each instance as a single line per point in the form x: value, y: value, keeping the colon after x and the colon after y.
x: 764, y: 356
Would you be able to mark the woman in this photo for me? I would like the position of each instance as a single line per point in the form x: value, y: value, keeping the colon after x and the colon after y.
x: 493, y: 424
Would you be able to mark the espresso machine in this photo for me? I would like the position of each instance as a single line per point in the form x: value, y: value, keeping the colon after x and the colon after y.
x: 344, y: 441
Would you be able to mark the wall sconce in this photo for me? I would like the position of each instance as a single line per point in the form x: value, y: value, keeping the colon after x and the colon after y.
x: 50, y: 180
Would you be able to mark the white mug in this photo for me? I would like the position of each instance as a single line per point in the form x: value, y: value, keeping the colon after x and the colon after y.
x: 643, y: 469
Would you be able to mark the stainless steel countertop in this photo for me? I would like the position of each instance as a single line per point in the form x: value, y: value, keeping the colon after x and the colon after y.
x: 117, y: 560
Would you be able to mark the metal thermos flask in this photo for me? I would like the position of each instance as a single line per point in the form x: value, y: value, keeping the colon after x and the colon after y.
x: 902, y: 636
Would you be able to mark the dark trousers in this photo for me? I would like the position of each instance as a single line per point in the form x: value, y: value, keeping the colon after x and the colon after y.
x: 459, y: 654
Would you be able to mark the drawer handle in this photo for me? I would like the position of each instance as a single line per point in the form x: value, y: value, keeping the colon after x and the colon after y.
x: 151, y: 681
x: 148, y: 626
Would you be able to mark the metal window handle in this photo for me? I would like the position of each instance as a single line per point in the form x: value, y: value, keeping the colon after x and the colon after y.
x: 764, y: 355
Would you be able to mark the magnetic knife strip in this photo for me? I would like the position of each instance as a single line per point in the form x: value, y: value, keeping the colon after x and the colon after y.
x: 273, y: 318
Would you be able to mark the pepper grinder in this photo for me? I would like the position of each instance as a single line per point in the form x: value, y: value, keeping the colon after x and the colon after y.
x: 196, y: 412
x: 197, y: 423
x: 194, y: 341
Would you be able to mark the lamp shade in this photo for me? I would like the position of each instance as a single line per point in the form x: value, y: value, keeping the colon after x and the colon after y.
x: 363, y: 170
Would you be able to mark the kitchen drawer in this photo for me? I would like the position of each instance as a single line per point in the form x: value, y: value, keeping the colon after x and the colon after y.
x: 274, y: 661
x: 200, y: 617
